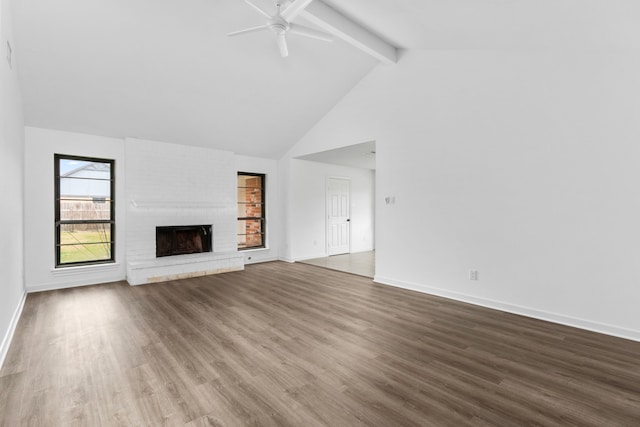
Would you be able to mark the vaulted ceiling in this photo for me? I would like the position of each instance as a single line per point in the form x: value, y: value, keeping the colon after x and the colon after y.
x: 500, y: 24
x: 165, y: 70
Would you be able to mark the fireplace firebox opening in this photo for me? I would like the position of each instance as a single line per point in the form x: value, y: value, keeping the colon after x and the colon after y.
x: 183, y: 239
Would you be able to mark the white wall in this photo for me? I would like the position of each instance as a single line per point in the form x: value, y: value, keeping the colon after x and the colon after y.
x: 12, y: 177
x: 269, y: 167
x: 158, y: 184
x: 523, y: 166
x: 307, y: 203
x: 40, y: 146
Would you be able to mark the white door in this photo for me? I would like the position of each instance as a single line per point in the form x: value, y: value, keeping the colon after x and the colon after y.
x: 338, y: 220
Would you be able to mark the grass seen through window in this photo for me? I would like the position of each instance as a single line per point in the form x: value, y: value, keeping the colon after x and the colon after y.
x: 80, y: 246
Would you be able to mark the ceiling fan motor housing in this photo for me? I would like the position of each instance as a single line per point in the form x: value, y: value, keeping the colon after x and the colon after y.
x: 278, y: 25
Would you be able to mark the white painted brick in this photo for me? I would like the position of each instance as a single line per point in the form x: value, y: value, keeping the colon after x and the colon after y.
x: 178, y: 185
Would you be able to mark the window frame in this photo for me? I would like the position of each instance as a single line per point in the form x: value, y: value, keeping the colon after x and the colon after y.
x: 57, y: 213
x: 262, y: 218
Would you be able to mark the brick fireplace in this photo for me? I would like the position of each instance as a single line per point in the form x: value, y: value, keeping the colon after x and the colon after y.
x: 170, y: 185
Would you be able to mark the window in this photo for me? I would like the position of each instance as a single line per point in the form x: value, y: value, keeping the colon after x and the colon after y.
x: 84, y: 210
x: 250, y: 210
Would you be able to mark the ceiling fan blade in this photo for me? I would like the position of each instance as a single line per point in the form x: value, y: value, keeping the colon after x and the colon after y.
x: 294, y: 9
x: 249, y: 30
x: 282, y: 45
x: 310, y: 32
x: 258, y: 9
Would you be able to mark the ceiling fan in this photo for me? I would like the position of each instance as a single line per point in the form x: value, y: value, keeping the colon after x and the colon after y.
x: 281, y: 23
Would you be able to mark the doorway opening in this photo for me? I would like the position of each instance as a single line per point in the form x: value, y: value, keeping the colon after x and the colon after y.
x: 349, y: 205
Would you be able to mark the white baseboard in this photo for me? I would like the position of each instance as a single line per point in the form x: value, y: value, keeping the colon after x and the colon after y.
x: 325, y: 255
x: 6, y: 341
x: 308, y: 257
x: 588, y: 325
x: 359, y: 251
x: 71, y: 284
x: 260, y: 260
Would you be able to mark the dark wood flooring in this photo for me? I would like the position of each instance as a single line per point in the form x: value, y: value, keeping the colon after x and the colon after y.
x: 296, y: 345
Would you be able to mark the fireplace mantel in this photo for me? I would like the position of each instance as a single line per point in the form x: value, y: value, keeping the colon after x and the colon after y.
x: 174, y: 204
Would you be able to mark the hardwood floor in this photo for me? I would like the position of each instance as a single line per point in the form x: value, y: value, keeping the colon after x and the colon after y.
x: 293, y: 345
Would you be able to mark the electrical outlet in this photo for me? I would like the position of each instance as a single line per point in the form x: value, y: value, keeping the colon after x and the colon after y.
x: 473, y: 275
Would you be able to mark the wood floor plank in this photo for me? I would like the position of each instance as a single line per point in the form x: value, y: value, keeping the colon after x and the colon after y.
x: 294, y: 345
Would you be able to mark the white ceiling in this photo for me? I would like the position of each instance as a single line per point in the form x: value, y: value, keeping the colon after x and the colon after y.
x: 499, y: 24
x: 164, y: 69
x: 361, y: 155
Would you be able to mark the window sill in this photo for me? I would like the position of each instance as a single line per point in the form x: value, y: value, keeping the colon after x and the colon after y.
x: 83, y: 269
